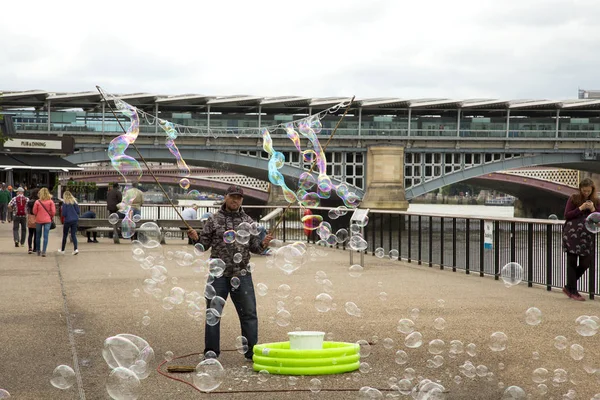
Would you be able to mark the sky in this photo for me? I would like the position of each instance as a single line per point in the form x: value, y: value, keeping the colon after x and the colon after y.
x: 509, y: 49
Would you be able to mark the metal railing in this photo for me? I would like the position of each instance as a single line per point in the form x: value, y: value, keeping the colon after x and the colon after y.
x: 441, y: 241
x: 400, y: 133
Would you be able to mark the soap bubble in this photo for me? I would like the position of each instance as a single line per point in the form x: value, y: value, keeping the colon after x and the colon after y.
x: 498, y: 341
x: 241, y: 344
x: 216, y: 267
x: 262, y: 289
x: 169, y: 355
x: 436, y: 346
x: 355, y: 270
x: 456, y: 347
x: 184, y: 183
x: 406, y: 326
x: 4, y: 394
x: 383, y: 296
x: 352, y: 309
x: 364, y: 222
x: 283, y: 291
x: 413, y: 340
x: 388, y: 343
x: 414, y: 313
x: 533, y: 316
x: 235, y: 282
x: 242, y: 237
x: 514, y: 393
x: 199, y: 249
x: 364, y: 367
x: 136, y: 218
x: 237, y: 258
x: 113, y: 218
x: 576, y: 352
x: 540, y: 375
x: 283, y: 318
x: 209, y: 291
x: 439, y: 324
x: 394, y: 254
x: 592, y: 222
x: 365, y: 348
x: 63, y: 377
x: 128, y: 351
x: 123, y: 384
x: 315, y: 385
x: 341, y: 235
x: 401, y: 357
x: 560, y: 342
x: 560, y: 376
x: 379, y: 252
x: 512, y: 274
x: 323, y: 302
x: 263, y: 375
x: 145, y: 320
x: 586, y: 326
x: 209, y: 375
x: 552, y: 217
x: 471, y: 349
x: 213, y: 317
x: 217, y: 303
x: 229, y: 236
x: 357, y: 243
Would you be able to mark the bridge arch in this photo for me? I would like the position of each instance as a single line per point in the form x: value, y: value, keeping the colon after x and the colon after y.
x: 245, y: 165
x: 574, y: 160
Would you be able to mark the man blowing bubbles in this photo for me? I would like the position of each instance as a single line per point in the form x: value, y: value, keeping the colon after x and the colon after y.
x: 229, y: 217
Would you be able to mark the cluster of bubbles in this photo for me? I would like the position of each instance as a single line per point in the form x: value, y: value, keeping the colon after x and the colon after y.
x: 129, y: 357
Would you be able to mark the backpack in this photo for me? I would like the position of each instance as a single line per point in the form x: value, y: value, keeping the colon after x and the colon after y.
x: 21, y: 203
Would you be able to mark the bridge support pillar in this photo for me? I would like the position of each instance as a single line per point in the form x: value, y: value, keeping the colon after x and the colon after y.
x: 539, y: 207
x: 385, y: 179
x: 276, y: 197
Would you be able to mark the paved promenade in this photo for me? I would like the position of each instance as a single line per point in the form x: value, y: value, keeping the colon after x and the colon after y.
x: 61, y: 308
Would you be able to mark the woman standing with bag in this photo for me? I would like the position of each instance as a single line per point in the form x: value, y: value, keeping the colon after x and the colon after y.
x: 70, y: 212
x: 31, y: 243
x: 578, y: 242
x: 44, y: 210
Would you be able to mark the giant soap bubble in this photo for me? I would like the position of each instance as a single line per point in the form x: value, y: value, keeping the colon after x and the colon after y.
x: 592, y: 222
x: 128, y: 351
x: 209, y: 375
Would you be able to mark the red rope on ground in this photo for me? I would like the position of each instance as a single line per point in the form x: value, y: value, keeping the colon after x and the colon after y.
x: 158, y: 369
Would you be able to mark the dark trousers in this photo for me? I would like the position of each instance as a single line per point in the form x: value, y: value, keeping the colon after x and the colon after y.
x: 245, y: 304
x: 3, y: 212
x: 72, y: 227
x: 31, y: 239
x: 575, y: 272
x: 20, y: 222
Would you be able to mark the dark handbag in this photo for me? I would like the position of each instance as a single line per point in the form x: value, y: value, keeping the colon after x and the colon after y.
x: 52, y: 224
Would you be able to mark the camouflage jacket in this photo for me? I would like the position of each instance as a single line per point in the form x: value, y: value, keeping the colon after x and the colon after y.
x: 212, y: 238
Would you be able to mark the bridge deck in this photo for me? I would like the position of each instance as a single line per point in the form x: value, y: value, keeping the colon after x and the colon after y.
x: 97, y: 286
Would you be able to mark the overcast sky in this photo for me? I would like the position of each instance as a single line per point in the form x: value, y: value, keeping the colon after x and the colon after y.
x: 505, y: 49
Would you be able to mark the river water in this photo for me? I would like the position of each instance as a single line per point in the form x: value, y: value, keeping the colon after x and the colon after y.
x: 464, y: 209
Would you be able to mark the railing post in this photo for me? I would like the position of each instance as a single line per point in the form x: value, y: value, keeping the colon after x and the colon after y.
x: 441, y: 242
x: 513, y: 246
x: 529, y: 254
x: 419, y: 239
x: 158, y: 217
x: 592, y: 273
x: 381, y: 229
x: 430, y: 241
x: 453, y: 244
x: 548, y: 257
x: 373, y: 235
x: 481, y: 247
x: 496, y: 250
x: 390, y: 231
x: 400, y: 223
x: 409, y: 236
x: 467, y: 245
x: 284, y: 224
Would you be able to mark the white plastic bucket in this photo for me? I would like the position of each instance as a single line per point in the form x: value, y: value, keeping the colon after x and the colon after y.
x: 306, y: 340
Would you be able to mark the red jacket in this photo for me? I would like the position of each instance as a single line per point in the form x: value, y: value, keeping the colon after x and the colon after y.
x: 41, y: 215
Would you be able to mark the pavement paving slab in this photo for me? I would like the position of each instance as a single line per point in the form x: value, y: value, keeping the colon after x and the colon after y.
x: 60, y: 309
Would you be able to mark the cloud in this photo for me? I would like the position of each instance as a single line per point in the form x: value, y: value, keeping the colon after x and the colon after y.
x: 469, y: 48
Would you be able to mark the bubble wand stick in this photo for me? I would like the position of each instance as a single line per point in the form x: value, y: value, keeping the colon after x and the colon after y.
x: 144, y: 160
x: 312, y: 167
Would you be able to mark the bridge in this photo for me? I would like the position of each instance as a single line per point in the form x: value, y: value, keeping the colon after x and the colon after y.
x: 391, y: 149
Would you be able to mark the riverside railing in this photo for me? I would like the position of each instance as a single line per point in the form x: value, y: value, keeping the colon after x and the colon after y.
x: 442, y: 241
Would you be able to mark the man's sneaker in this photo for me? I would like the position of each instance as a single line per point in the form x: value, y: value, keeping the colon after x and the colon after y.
x: 29, y: 251
x: 95, y: 241
x: 60, y: 251
x: 16, y: 244
x: 248, y: 359
x: 566, y: 291
x: 577, y: 296
x: 89, y: 241
x: 75, y: 252
x: 43, y: 254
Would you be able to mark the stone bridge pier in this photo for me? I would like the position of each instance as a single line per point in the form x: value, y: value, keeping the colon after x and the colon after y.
x: 540, y: 207
x: 385, y: 179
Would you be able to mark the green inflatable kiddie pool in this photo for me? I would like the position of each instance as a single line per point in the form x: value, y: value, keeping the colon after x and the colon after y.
x: 333, y: 358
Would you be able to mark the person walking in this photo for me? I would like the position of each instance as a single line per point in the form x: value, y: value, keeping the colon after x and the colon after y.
x: 12, y: 194
x: 44, y: 210
x: 18, y: 206
x: 227, y: 218
x: 31, y: 225
x: 70, y: 212
x: 4, y: 200
x: 577, y: 241
x: 113, y: 198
